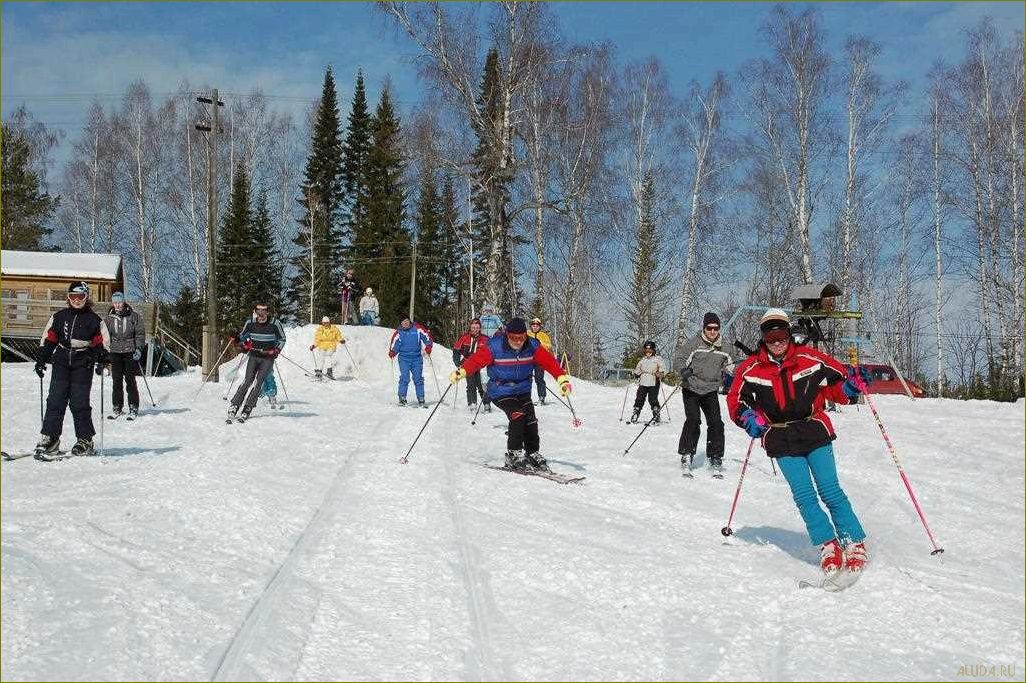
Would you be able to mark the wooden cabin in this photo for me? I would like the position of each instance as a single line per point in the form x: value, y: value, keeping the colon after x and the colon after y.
x: 35, y: 285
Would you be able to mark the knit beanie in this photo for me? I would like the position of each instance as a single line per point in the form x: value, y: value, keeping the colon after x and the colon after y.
x: 710, y: 319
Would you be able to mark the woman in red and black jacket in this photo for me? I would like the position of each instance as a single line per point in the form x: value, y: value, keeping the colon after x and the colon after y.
x: 463, y: 349
x: 76, y: 342
x: 778, y: 394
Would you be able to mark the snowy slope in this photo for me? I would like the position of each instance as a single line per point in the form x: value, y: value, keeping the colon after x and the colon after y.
x: 296, y: 547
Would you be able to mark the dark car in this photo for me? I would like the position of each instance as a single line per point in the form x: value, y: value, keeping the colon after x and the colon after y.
x: 885, y: 381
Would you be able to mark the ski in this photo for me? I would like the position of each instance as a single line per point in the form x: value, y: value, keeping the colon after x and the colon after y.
x: 56, y: 457
x: 832, y: 583
x: 24, y: 454
x: 686, y: 472
x: 113, y: 416
x: 129, y: 417
x: 551, y: 476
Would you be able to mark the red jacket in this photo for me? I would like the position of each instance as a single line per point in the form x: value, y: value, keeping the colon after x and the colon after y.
x: 790, y: 394
x: 465, y: 347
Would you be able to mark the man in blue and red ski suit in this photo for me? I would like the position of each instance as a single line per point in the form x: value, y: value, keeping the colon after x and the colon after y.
x: 407, y: 342
x: 511, y: 359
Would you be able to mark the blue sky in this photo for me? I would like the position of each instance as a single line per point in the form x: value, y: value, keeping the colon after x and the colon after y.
x: 56, y: 56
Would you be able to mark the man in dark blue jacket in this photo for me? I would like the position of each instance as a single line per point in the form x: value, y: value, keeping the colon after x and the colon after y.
x: 263, y: 339
x: 407, y: 342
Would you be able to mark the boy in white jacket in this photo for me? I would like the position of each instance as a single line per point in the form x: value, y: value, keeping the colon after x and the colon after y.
x: 649, y: 372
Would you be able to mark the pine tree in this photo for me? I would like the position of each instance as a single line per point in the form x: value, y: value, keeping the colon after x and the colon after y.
x: 647, y: 301
x: 354, y: 165
x: 381, y: 246
x: 430, y: 296
x: 187, y: 314
x: 266, y: 270
x: 26, y: 206
x: 322, y: 233
x: 234, y: 255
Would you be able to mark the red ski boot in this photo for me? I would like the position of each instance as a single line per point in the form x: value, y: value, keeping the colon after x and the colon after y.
x: 856, y: 556
x: 831, y: 557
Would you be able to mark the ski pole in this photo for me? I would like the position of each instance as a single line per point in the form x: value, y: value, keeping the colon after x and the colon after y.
x: 440, y: 402
x: 353, y: 361
x: 434, y: 374
x: 662, y: 389
x: 650, y: 422
x: 238, y: 369
x: 305, y: 371
x: 42, y: 415
x: 576, y: 422
x: 626, y: 392
x: 143, y: 373
x: 773, y: 464
x: 103, y: 418
x: 727, y: 531
x: 213, y: 368
x: 894, y: 456
x: 281, y: 378
x: 476, y: 411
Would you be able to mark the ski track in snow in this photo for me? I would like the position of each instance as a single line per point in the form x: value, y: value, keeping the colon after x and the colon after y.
x: 295, y: 547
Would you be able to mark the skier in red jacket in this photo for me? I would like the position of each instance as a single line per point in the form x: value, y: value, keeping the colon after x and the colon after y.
x: 778, y: 394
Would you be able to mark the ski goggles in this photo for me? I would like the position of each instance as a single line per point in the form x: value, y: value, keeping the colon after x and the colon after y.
x: 517, y: 337
x: 776, y: 335
x: 77, y: 296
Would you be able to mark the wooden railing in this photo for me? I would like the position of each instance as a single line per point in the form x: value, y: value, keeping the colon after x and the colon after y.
x: 27, y: 317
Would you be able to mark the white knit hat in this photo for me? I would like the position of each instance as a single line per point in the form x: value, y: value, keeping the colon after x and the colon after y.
x: 774, y: 318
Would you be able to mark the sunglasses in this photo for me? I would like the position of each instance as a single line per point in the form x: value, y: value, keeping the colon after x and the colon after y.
x: 517, y: 337
x: 776, y: 336
x: 712, y: 327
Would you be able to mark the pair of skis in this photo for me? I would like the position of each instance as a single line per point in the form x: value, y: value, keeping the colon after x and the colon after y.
x: 42, y: 457
x: 688, y: 473
x: 128, y: 416
x: 551, y: 476
x: 834, y: 582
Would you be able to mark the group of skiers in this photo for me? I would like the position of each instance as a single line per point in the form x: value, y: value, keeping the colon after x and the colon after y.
x: 368, y: 312
x: 778, y: 395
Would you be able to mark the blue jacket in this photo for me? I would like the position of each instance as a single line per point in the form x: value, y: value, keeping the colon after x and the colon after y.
x: 511, y: 372
x: 407, y: 343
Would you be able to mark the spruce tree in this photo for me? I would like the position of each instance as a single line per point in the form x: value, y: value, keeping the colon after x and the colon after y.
x: 323, y: 232
x: 26, y: 206
x: 266, y: 268
x: 187, y: 314
x: 648, y: 298
x: 234, y: 254
x: 381, y: 246
x: 355, y: 149
x: 430, y: 296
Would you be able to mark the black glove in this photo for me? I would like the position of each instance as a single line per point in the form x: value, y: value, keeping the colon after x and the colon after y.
x: 99, y: 368
x: 40, y: 369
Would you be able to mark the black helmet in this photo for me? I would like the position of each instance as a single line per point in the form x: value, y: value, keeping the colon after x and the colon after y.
x: 650, y: 345
x: 78, y: 287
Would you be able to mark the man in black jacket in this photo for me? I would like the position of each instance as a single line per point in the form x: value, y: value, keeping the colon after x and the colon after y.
x: 127, y: 339
x: 75, y: 342
x: 263, y: 339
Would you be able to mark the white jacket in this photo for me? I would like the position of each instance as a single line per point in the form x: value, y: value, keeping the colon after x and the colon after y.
x: 648, y: 370
x: 369, y: 303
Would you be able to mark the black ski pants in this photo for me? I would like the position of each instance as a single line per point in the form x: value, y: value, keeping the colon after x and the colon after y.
x: 710, y: 405
x: 651, y: 393
x: 539, y: 380
x: 69, y: 386
x: 123, y: 369
x: 257, y: 369
x: 475, y: 387
x: 523, y: 424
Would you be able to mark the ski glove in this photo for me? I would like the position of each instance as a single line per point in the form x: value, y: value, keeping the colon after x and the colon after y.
x: 313, y: 346
x: 136, y: 355
x: 858, y: 378
x: 247, y: 346
x: 391, y: 354
x: 456, y: 375
x: 754, y: 423
x: 427, y: 350
x: 273, y: 353
x: 40, y: 369
x: 564, y: 384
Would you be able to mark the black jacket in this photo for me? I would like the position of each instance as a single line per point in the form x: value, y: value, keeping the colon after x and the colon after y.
x: 127, y: 332
x: 74, y: 337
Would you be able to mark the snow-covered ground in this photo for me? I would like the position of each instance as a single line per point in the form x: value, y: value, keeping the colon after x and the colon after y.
x: 297, y: 547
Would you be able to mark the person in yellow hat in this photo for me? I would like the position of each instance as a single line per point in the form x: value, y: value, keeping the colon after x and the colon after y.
x: 326, y: 340
x: 535, y: 332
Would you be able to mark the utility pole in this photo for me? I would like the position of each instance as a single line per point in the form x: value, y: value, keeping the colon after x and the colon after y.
x: 311, y: 199
x: 413, y: 278
x: 210, y: 336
